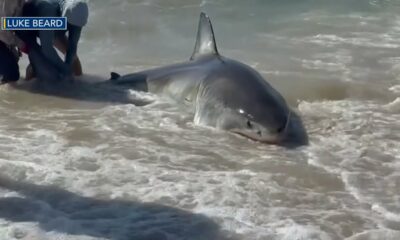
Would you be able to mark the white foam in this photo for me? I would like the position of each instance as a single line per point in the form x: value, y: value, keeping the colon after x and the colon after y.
x: 298, y: 232
x: 363, y: 40
x: 379, y: 234
x: 394, y: 106
x: 391, y: 216
x: 395, y: 88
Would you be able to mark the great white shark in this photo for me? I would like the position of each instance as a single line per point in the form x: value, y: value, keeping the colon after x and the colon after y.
x: 224, y: 93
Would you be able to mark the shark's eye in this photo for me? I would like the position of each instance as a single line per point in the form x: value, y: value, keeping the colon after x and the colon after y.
x: 249, y: 124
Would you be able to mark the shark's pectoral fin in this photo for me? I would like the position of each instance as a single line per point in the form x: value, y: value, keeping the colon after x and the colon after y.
x: 205, y: 42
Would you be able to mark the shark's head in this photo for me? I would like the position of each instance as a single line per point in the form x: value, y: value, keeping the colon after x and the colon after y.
x: 285, y: 131
x: 236, y: 98
x: 266, y: 122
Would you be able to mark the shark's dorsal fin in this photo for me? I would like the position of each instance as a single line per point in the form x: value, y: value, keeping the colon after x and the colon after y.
x: 205, y: 42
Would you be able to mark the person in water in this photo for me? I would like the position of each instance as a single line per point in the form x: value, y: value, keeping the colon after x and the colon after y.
x: 77, y: 13
x: 9, y: 43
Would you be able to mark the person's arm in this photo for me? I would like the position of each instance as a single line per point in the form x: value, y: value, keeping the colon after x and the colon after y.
x: 74, y: 34
x: 48, y: 50
x: 49, y: 9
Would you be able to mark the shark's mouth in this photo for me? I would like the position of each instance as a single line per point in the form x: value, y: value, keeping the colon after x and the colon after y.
x: 274, y: 139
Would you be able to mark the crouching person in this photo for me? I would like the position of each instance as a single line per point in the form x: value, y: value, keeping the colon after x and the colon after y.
x: 9, y: 43
x: 76, y: 12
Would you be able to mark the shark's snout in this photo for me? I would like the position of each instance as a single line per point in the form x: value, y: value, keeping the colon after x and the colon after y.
x: 261, y: 136
x: 265, y: 134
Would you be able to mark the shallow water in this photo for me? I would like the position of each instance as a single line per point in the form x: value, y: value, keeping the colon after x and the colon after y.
x: 120, y: 171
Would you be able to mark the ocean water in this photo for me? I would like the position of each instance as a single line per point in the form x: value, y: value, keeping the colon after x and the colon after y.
x: 79, y: 168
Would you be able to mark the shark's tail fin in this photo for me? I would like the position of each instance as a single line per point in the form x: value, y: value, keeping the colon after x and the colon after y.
x: 205, y: 42
x: 114, y: 76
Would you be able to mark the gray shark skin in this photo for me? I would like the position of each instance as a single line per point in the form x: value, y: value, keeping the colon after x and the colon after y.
x: 225, y: 94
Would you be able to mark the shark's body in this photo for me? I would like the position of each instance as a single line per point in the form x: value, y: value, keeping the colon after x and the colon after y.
x: 224, y: 93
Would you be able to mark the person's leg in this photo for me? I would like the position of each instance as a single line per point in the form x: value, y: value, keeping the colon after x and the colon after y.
x: 29, y: 39
x: 8, y: 64
x: 61, y: 44
x: 29, y: 73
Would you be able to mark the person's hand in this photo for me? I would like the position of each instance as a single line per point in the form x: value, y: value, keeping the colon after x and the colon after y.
x: 23, y: 48
x: 15, y: 52
x: 66, y: 75
x: 65, y: 71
